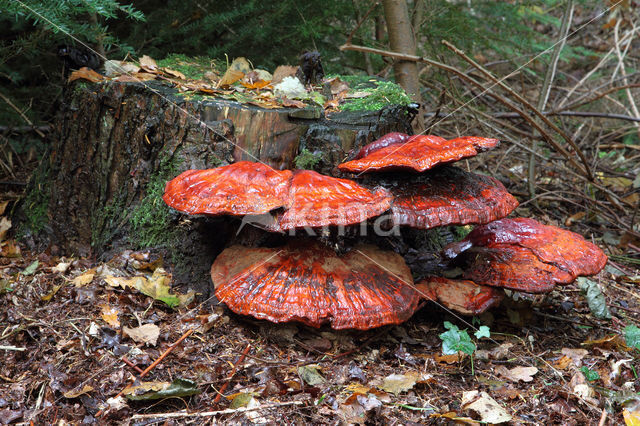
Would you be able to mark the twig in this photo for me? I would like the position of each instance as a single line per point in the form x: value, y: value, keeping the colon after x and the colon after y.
x: 233, y: 373
x: 156, y: 362
x: 526, y: 103
x: 632, y: 102
x: 574, y: 114
x: 180, y: 414
x: 12, y: 348
x: 132, y: 365
x: 546, y: 87
x: 24, y: 117
x: 603, y: 417
x: 524, y: 115
x: 580, y: 101
x: 165, y: 353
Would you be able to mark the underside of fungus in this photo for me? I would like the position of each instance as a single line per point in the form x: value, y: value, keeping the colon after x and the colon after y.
x: 308, y: 282
x: 449, y: 196
x: 525, y: 255
x: 463, y: 296
x: 418, y: 153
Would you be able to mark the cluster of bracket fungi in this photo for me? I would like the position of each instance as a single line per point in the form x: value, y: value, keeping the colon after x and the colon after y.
x: 365, y: 287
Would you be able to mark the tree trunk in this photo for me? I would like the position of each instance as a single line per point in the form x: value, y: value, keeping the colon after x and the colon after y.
x: 402, y: 40
x: 115, y: 145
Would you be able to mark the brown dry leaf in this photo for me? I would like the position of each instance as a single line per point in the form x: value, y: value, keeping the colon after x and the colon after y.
x: 574, y: 218
x: 241, y: 64
x: 3, y: 206
x: 76, y: 393
x: 292, y: 103
x: 283, y: 71
x: 47, y: 297
x: 148, y: 64
x: 5, y: 225
x: 562, y: 363
x: 632, y: 199
x: 452, y: 415
x: 146, y: 333
x: 488, y: 409
x: 85, y: 73
x: 337, y: 85
x: 110, y: 315
x: 10, y: 249
x: 230, y: 77
x: 174, y: 73
x: 576, y: 355
x: 256, y: 84
x: 143, y: 76
x: 448, y: 359
x: 84, y: 279
x: 398, y: 383
x: 332, y: 105
x: 615, y: 342
x: 517, y: 373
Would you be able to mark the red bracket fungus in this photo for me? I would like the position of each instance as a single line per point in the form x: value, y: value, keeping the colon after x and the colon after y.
x: 450, y: 196
x: 237, y: 189
x: 525, y: 255
x: 393, y: 138
x: 317, y: 200
x: 418, y: 153
x: 465, y: 297
x: 308, y: 282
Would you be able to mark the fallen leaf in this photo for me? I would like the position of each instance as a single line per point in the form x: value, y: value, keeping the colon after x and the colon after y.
x: 85, y: 73
x: 76, y: 393
x: 289, y: 103
x: 631, y: 418
x: 148, y: 64
x: 283, y: 71
x: 146, y: 333
x: 240, y: 400
x: 83, y: 279
x: 486, y: 407
x: 574, y: 218
x: 156, y: 287
x: 3, y: 206
x: 52, y: 293
x: 517, y: 373
x: 160, y: 390
x: 230, y: 77
x: 563, y: 362
x: 576, y: 355
x: 174, y: 73
x: 5, y: 225
x: 310, y: 374
x: 113, y: 67
x: 10, y: 249
x: 449, y: 359
x: 29, y: 270
x: 398, y: 383
x: 61, y: 267
x: 110, y: 315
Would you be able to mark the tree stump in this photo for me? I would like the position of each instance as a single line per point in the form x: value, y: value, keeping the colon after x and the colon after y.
x: 115, y: 145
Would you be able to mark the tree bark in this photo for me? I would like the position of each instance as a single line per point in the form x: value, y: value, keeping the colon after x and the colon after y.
x: 402, y: 40
x: 114, y: 146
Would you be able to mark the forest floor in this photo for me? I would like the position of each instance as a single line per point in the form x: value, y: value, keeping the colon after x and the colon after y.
x: 68, y: 355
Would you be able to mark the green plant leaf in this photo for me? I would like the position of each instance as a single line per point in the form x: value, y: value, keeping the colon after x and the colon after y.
x: 456, y: 340
x: 483, y: 331
x: 589, y: 374
x: 632, y: 336
x: 29, y: 270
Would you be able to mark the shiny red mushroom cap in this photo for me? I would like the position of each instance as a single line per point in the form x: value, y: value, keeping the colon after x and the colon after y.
x: 308, y: 282
x: 525, y: 255
x: 450, y: 196
x: 418, y: 153
x: 237, y: 189
x: 463, y: 296
x: 316, y: 200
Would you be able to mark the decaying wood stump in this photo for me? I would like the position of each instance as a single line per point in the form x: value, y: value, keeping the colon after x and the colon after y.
x: 116, y: 144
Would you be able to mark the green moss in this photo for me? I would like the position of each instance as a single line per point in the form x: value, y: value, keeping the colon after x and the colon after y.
x: 385, y: 93
x: 307, y: 160
x: 461, y: 231
x: 151, y: 219
x: 191, y: 67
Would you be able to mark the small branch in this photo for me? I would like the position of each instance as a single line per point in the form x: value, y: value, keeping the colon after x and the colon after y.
x: 22, y: 114
x: 24, y: 129
x: 132, y: 365
x: 632, y: 102
x: 233, y: 373
x: 181, y: 414
x: 525, y: 103
x: 361, y: 21
x: 574, y: 114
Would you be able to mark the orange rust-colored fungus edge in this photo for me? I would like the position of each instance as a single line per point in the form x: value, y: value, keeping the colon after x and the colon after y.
x: 307, y: 282
x: 463, y: 296
x: 419, y: 153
